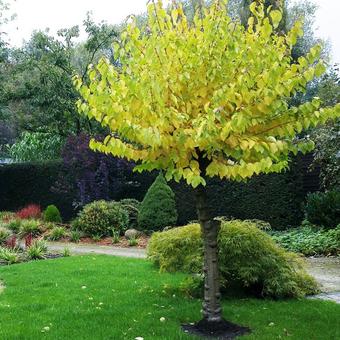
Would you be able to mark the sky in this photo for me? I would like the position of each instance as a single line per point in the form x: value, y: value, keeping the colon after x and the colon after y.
x: 56, y: 14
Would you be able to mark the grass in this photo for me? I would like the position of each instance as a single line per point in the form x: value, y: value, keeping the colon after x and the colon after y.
x: 102, y: 297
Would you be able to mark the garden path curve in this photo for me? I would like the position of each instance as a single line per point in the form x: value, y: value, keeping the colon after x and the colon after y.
x: 326, y: 270
x: 95, y: 249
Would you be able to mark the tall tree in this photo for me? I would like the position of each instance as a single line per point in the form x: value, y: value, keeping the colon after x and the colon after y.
x: 38, y: 91
x: 205, y: 99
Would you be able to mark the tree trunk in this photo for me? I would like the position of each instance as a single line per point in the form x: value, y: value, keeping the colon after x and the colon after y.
x: 212, y: 311
x: 212, y: 324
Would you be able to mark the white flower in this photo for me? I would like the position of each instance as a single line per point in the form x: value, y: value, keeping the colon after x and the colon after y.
x: 45, y: 329
x: 271, y: 324
x: 83, y: 287
x: 139, y: 338
x: 162, y: 319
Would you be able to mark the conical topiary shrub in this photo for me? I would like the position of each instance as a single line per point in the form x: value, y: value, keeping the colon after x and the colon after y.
x: 158, y: 209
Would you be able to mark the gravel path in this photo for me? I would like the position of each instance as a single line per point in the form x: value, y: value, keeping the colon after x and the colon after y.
x: 94, y: 249
x: 326, y: 271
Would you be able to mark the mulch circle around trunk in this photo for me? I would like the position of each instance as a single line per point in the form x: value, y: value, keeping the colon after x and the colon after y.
x: 223, y: 330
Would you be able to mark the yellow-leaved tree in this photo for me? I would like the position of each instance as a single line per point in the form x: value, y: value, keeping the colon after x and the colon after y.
x: 202, y: 99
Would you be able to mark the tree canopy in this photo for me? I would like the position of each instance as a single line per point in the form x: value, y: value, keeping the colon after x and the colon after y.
x: 211, y: 91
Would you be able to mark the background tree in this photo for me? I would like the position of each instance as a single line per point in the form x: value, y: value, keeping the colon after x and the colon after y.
x: 205, y: 99
x: 327, y: 138
x: 90, y: 175
x: 38, y: 94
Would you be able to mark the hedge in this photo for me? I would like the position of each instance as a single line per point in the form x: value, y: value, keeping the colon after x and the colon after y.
x: 275, y: 198
x: 25, y: 183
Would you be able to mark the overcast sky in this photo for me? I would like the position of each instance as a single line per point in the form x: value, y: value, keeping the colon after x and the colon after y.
x: 56, y: 14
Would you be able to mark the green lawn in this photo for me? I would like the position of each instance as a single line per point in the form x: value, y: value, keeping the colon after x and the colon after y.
x: 101, y: 297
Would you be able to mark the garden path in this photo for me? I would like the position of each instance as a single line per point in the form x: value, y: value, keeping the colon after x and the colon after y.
x: 326, y: 270
x: 95, y: 249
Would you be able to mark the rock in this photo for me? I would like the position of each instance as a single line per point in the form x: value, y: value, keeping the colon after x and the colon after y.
x: 132, y: 233
x: 167, y: 228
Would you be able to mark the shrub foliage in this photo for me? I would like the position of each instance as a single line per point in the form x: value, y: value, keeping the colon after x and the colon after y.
x: 310, y: 242
x: 30, y: 211
x: 323, y: 209
x: 101, y: 217
x: 248, y: 258
x: 158, y: 208
x: 52, y: 214
x: 132, y: 206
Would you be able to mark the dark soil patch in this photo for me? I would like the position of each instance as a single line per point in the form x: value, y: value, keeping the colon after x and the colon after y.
x: 223, y: 330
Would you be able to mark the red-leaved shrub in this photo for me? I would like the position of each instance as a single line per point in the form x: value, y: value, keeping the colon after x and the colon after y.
x: 30, y: 211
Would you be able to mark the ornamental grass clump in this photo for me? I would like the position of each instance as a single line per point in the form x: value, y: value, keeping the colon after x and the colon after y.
x: 56, y: 233
x: 4, y: 235
x: 248, y: 259
x: 28, y: 227
x: 37, y: 250
x: 9, y: 256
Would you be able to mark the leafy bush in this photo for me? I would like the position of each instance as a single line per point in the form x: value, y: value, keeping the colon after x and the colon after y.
x: 323, y: 209
x: 4, y: 234
x: 158, y: 209
x: 132, y: 206
x: 309, y: 242
x: 29, y: 227
x: 9, y: 256
x: 36, y: 146
x: 248, y: 258
x: 52, y: 214
x: 37, y: 250
x: 101, y: 217
x: 56, y: 233
x: 30, y: 211
x: 93, y: 175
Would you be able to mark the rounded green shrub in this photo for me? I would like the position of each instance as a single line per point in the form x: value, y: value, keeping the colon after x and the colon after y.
x: 52, y: 214
x: 101, y: 218
x: 132, y: 206
x: 323, y: 209
x: 158, y: 209
x: 248, y: 259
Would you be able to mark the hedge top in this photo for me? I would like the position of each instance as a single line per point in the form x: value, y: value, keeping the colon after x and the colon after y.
x: 208, y: 89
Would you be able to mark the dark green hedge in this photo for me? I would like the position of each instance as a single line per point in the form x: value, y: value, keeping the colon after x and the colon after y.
x: 276, y: 198
x: 24, y: 183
